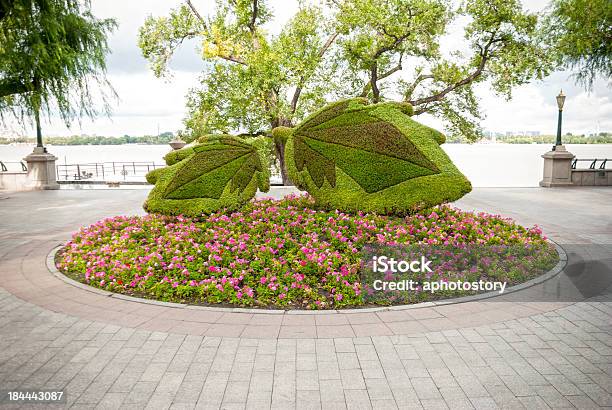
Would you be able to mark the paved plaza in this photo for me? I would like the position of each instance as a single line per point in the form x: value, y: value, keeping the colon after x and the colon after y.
x: 549, y: 346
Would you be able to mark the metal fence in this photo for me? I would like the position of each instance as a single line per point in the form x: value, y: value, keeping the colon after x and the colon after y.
x: 594, y: 163
x: 13, y: 166
x: 105, y: 171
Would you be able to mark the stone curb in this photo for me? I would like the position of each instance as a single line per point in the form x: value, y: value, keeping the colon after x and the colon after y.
x: 472, y: 298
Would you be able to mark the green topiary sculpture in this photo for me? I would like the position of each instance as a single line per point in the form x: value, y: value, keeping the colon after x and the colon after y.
x: 349, y: 156
x: 373, y: 158
x: 223, y: 172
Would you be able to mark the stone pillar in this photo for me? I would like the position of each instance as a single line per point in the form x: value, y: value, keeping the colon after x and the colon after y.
x: 557, y: 167
x: 41, y: 170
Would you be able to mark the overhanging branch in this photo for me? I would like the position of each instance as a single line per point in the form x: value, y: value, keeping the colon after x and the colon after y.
x: 12, y: 87
x: 485, y: 55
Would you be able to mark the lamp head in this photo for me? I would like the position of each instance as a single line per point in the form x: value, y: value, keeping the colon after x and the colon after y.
x: 560, y: 100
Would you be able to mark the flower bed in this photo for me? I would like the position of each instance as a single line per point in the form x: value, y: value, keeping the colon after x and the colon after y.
x: 285, y: 254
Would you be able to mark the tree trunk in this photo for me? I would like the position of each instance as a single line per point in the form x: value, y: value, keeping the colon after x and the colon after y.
x: 279, y: 150
x: 280, y: 155
x: 39, y: 141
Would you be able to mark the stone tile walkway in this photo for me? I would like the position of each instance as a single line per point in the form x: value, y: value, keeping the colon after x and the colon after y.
x: 550, y: 347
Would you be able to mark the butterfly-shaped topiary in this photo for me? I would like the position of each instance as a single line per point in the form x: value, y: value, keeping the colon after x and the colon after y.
x: 349, y: 156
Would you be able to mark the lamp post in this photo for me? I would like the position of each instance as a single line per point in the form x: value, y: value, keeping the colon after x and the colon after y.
x: 560, y: 103
x: 558, y: 162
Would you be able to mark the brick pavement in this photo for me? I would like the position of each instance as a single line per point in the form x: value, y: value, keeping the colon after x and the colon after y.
x: 112, y: 353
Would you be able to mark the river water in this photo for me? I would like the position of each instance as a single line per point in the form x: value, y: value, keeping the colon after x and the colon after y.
x: 486, y: 165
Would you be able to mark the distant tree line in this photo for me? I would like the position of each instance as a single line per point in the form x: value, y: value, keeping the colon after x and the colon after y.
x: 601, y: 138
x: 161, y: 139
x: 166, y: 137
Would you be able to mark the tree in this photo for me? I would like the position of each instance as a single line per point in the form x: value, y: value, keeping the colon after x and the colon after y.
x: 581, y: 33
x: 381, y: 50
x: 52, y: 54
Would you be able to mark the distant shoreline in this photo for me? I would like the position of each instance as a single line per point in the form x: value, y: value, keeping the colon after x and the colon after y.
x: 161, y: 139
x: 486, y: 142
x: 165, y: 138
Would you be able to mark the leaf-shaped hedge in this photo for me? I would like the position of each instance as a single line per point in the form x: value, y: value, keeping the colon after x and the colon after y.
x: 353, y: 156
x: 351, y: 139
x: 224, y: 172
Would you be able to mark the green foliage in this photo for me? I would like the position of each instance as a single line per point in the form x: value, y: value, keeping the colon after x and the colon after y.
x: 372, y: 158
x: 158, y: 38
x: 580, y: 31
x: 223, y: 172
x: 253, y: 73
x: 255, y: 81
x: 52, y: 53
x: 504, y: 49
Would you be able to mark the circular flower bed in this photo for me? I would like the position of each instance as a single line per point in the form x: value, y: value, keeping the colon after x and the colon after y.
x: 287, y: 254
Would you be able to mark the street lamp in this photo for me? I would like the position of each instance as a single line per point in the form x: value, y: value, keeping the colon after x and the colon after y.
x: 560, y: 103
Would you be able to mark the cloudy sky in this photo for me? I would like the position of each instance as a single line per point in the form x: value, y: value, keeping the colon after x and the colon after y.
x: 147, y: 104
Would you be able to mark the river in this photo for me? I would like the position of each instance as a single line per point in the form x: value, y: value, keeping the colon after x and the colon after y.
x: 486, y: 165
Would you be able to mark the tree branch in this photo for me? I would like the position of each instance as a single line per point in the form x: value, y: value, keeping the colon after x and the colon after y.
x: 298, y: 89
x: 368, y: 86
x: 416, y: 83
x: 233, y: 59
x: 484, y: 57
x: 398, y: 40
x: 254, y: 17
x: 195, y: 12
x: 327, y: 44
x: 374, y: 77
x: 12, y: 87
x: 253, y: 26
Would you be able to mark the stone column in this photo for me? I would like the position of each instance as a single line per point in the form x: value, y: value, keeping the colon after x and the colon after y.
x: 41, y: 170
x: 557, y: 167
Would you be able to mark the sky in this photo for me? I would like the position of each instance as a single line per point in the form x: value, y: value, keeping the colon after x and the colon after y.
x: 147, y: 104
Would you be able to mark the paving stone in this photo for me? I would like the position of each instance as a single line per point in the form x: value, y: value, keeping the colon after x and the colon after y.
x: 348, y: 361
x: 425, y: 388
x: 556, y: 356
x: 328, y: 370
x: 433, y: 404
x: 534, y: 402
x: 352, y: 379
x: 358, y: 400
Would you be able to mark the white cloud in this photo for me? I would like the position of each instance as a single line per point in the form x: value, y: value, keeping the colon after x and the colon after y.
x: 145, y: 103
x: 534, y: 107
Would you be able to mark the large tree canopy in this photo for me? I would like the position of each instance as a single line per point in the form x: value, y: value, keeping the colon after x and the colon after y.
x: 581, y: 32
x: 259, y: 77
x: 52, y: 54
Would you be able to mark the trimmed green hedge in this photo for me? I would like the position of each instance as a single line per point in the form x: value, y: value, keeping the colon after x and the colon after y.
x: 349, y: 156
x: 373, y: 158
x: 223, y: 172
